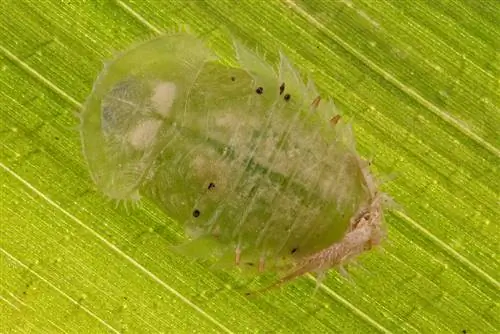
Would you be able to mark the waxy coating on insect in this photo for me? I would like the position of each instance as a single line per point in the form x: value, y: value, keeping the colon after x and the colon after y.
x: 259, y: 179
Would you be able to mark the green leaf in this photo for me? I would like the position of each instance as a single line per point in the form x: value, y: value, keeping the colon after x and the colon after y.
x: 421, y: 81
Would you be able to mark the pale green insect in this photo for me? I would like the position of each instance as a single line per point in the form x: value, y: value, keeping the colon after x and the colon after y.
x: 262, y: 173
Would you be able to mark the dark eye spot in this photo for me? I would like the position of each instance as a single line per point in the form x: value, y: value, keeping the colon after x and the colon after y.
x: 282, y: 88
x: 259, y: 90
x: 196, y: 213
x: 211, y: 186
x: 233, y: 78
x: 287, y: 97
x: 294, y: 250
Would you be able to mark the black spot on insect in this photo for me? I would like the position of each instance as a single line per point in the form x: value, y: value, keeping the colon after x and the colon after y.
x: 233, y: 78
x: 211, y: 186
x: 464, y: 331
x: 294, y: 250
x: 259, y: 90
x: 287, y: 97
x: 282, y: 88
x: 196, y: 213
x: 250, y: 264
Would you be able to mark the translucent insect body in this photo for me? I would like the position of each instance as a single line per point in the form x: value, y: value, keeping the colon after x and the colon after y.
x: 263, y: 172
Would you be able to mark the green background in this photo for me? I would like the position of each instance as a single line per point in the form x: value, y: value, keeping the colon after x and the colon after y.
x: 419, y: 79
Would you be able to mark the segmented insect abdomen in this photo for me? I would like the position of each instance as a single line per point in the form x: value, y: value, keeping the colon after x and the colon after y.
x: 246, y: 173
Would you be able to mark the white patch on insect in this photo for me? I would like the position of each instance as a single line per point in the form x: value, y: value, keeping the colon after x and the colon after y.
x: 163, y: 97
x: 228, y: 121
x: 143, y: 134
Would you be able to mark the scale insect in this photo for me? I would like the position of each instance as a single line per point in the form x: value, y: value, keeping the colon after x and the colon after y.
x: 262, y: 172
